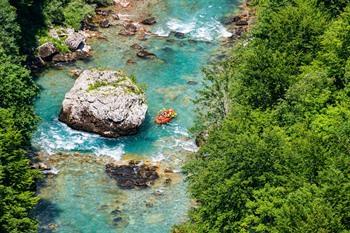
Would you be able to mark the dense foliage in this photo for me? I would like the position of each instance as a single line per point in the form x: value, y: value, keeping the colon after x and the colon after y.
x: 17, y: 121
x: 278, y: 157
x: 69, y: 12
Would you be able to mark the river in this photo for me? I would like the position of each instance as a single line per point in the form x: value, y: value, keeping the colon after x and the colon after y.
x: 82, y: 198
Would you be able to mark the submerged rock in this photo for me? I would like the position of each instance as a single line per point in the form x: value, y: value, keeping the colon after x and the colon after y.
x: 116, y: 212
x: 167, y: 181
x: 121, y: 221
x: 192, y: 82
x: 157, y: 218
x: 130, y: 62
x: 145, y: 54
x: 129, y: 29
x: 117, y: 219
x: 104, y: 102
x: 179, y: 35
x: 137, y: 46
x: 158, y: 192
x: 133, y: 174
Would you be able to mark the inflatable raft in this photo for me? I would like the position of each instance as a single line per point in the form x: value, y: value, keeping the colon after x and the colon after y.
x: 165, y: 116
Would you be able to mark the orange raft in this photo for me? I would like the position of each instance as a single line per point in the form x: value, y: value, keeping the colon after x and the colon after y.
x: 165, y: 116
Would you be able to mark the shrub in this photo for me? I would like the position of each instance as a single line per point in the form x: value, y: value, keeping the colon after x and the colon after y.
x: 75, y: 12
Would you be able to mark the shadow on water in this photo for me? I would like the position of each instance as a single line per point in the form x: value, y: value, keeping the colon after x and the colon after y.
x: 47, y: 212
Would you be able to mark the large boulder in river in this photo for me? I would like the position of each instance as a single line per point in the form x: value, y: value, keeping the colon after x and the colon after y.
x: 104, y: 102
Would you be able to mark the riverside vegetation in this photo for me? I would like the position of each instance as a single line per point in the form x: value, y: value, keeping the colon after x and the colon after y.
x: 277, y: 156
x: 21, y: 23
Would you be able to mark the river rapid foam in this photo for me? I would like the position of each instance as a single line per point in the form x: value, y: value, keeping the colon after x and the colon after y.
x: 196, y: 29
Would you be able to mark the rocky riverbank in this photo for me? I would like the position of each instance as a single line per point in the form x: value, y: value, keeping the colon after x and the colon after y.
x: 65, y: 45
x: 240, y: 23
x: 73, y: 46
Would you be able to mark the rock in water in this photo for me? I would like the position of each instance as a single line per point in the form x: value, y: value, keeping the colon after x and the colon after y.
x: 145, y: 54
x: 130, y: 29
x: 105, y: 23
x: 133, y: 174
x: 71, y: 57
x: 104, y: 102
x: 179, y: 35
x: 149, y: 21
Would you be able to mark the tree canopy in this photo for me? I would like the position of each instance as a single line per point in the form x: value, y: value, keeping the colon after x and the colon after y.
x: 17, y: 121
x: 277, y: 159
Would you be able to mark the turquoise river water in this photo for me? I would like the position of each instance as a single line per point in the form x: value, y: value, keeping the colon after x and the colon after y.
x: 81, y: 197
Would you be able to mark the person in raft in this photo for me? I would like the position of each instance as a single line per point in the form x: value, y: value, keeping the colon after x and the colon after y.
x: 165, y: 116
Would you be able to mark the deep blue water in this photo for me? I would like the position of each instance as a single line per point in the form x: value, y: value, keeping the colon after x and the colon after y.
x: 81, y: 197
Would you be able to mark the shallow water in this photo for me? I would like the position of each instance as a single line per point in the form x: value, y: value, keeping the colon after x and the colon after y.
x: 81, y: 197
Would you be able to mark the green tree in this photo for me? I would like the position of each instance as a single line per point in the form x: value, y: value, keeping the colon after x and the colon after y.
x: 17, y: 122
x: 75, y: 12
x: 278, y: 159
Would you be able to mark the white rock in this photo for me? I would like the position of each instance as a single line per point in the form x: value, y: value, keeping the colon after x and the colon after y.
x: 104, y: 102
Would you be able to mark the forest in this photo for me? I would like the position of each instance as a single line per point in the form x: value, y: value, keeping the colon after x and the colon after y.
x: 276, y: 112
x: 277, y: 155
